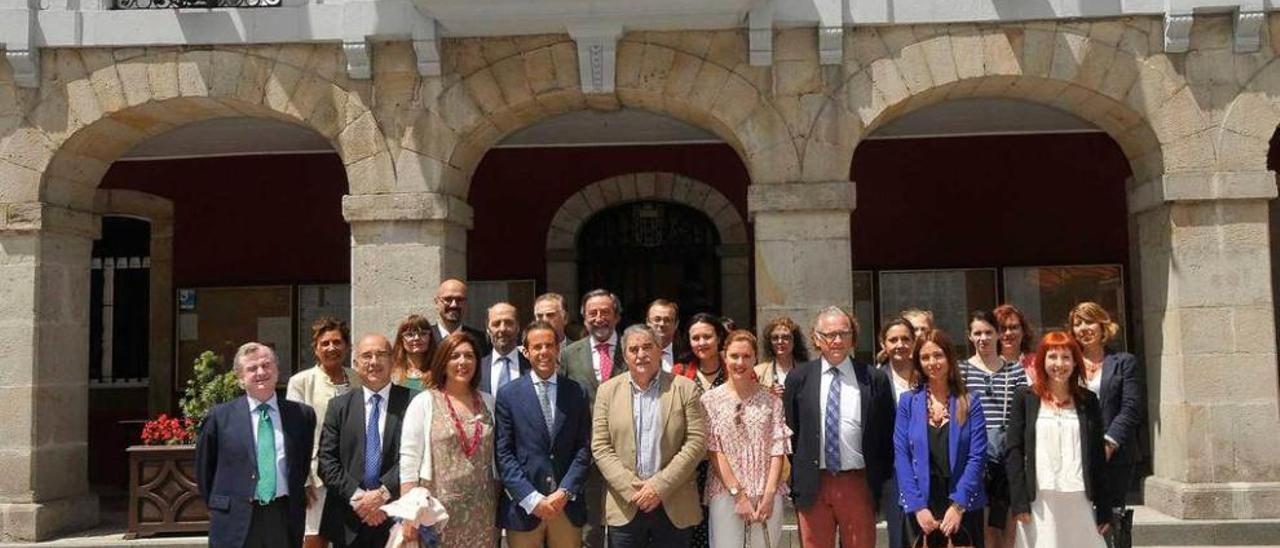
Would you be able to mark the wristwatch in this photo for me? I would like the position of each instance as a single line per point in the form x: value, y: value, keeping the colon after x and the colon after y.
x: 733, y: 491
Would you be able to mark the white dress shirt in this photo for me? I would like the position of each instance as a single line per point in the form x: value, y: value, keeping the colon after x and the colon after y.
x: 595, y: 354
x: 440, y: 329
x: 495, y: 368
x: 850, y: 416
x: 277, y: 425
x: 531, y: 501
x: 668, y: 358
x: 382, y: 408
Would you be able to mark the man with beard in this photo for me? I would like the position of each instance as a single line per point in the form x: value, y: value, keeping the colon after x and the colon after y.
x: 504, y: 363
x: 451, y: 306
x: 591, y: 361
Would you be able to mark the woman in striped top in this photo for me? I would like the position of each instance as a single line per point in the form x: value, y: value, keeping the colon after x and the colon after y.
x: 993, y: 380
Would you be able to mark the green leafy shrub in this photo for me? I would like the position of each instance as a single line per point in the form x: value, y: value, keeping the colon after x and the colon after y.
x: 207, y: 388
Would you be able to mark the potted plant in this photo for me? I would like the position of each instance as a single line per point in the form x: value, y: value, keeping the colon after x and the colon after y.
x: 164, y: 495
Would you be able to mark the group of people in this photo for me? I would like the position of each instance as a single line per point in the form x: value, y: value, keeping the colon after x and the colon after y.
x: 638, y: 439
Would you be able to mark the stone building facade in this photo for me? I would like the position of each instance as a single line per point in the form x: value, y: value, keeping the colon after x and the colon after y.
x: 1193, y: 102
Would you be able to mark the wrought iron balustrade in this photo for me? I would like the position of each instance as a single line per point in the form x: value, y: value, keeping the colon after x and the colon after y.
x: 175, y: 4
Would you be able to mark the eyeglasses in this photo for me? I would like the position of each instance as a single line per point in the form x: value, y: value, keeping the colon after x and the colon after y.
x: 414, y: 335
x: 369, y: 357
x: 784, y: 337
x: 454, y: 300
x: 831, y: 336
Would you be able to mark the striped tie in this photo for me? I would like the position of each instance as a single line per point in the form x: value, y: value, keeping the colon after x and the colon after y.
x: 831, y: 424
x: 544, y: 398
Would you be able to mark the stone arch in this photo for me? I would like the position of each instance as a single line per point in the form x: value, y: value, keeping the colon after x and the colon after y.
x: 1101, y: 71
x: 98, y: 104
x: 494, y: 86
x: 734, y: 250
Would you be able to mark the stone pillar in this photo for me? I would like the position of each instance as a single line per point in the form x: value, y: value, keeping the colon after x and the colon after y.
x: 735, y: 282
x: 402, y: 246
x: 1210, y: 350
x: 803, y: 254
x: 44, y: 370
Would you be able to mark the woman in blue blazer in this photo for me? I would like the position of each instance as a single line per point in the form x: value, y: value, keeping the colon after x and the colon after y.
x: 940, y: 448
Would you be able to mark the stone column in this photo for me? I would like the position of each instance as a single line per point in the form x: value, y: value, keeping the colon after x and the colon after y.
x: 44, y: 370
x: 1210, y: 350
x: 735, y: 281
x: 803, y: 252
x: 402, y: 246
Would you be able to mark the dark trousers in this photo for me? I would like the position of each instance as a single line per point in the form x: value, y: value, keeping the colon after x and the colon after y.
x: 593, y: 529
x: 269, y: 525
x: 894, y: 519
x: 648, y: 529
x: 367, y: 537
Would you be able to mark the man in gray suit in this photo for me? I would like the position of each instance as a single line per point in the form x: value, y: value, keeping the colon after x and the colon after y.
x: 590, y: 361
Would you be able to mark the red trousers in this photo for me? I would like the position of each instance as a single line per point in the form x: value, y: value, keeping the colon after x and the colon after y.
x: 844, y: 503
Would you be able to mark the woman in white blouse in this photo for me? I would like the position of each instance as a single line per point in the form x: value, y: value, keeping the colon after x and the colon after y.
x: 1055, y: 454
x: 446, y: 445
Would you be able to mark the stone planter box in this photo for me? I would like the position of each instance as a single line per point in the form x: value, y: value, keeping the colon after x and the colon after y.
x: 163, y: 493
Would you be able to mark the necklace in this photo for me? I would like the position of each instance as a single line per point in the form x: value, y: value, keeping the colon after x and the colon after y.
x: 468, y: 448
x: 939, y: 414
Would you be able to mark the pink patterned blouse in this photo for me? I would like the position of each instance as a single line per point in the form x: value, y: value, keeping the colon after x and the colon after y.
x: 750, y: 434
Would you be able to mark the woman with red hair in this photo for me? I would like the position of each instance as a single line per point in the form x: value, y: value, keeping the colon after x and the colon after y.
x: 1056, y: 460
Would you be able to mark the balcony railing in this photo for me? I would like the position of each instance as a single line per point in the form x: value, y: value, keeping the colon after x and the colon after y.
x: 175, y: 4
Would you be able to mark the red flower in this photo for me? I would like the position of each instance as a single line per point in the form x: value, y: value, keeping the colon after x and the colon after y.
x: 166, y: 430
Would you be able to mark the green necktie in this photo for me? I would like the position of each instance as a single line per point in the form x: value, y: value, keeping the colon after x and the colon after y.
x: 266, y: 491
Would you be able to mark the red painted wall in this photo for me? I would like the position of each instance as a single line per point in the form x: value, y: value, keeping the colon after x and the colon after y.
x: 250, y: 220
x: 990, y: 201
x: 516, y: 192
x: 950, y: 202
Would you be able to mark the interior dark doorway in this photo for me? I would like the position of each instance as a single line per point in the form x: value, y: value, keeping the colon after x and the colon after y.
x: 647, y: 250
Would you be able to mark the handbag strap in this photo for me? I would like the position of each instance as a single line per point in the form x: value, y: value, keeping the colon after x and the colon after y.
x: 746, y: 534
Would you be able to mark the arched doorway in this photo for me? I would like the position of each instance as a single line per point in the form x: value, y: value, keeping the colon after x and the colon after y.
x: 651, y: 249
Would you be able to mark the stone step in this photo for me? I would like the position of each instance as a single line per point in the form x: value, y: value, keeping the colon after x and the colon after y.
x: 1151, y: 529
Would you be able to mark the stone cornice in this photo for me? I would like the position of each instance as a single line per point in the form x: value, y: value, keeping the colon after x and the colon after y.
x: 1201, y: 187
x: 795, y: 197
x: 406, y: 206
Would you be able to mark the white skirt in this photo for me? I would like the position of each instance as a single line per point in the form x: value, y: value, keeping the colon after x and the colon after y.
x: 1060, y: 520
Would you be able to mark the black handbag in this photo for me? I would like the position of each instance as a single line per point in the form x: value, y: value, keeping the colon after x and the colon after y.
x: 1121, y: 533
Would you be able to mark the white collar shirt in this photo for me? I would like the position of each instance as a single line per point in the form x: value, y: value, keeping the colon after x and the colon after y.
x: 851, y: 457
x: 495, y: 368
x: 277, y: 425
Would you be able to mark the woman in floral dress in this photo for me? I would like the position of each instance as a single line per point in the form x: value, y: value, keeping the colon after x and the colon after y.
x: 447, y: 447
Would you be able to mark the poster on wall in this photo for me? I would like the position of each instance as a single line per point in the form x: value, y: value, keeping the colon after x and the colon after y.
x: 223, y: 318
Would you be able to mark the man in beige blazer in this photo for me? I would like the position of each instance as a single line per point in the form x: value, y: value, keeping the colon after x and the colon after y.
x: 648, y: 434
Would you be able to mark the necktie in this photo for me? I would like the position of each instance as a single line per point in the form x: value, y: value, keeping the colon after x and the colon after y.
x: 504, y: 375
x: 544, y: 398
x: 831, y: 424
x: 606, y: 361
x: 266, y: 490
x: 372, y: 446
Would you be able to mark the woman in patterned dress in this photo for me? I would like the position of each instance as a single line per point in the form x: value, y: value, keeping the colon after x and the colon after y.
x: 447, y: 447
x: 412, y: 353
x: 747, y: 439
x: 706, y: 334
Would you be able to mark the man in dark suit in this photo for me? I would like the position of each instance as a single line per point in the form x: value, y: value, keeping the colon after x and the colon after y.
x: 253, y: 458
x: 451, y: 306
x: 590, y: 361
x: 543, y: 449
x: 836, y: 475
x: 360, y: 451
x: 504, y: 363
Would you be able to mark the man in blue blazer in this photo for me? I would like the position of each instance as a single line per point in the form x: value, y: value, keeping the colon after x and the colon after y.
x: 252, y: 460
x: 543, y: 449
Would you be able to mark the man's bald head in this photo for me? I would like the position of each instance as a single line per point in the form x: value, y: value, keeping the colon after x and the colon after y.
x: 503, y: 327
x: 451, y: 302
x: 373, y: 361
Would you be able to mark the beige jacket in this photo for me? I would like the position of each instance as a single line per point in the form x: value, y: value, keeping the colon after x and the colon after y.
x: 313, y: 388
x: 682, y: 446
